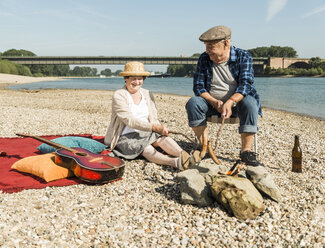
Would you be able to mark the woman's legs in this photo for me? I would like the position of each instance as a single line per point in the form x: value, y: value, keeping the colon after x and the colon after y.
x: 169, y: 146
x: 151, y: 154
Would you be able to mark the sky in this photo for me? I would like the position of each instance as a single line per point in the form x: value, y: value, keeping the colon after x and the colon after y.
x: 158, y: 28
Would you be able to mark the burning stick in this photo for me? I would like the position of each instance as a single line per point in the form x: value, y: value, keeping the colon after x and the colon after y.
x: 234, y: 170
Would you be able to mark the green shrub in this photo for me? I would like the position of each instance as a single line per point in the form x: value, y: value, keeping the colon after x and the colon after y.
x: 12, y: 68
x: 38, y: 74
x: 23, y: 70
x: 8, y: 67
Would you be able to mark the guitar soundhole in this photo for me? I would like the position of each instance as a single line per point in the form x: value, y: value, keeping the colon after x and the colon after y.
x: 82, y: 154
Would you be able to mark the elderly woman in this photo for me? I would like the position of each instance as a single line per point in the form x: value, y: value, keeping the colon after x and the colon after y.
x: 134, y: 128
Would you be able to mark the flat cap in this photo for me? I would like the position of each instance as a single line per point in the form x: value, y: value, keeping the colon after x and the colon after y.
x: 216, y: 33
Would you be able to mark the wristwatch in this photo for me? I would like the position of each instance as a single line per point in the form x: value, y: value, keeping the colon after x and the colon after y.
x: 235, y: 103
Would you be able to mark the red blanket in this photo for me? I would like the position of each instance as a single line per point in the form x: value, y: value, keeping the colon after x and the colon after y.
x: 12, y: 181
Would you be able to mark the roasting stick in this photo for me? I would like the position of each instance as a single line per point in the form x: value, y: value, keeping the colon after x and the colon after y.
x: 218, y: 133
x: 179, y: 133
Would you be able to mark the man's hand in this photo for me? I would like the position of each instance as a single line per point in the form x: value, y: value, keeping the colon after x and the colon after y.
x: 160, y: 129
x: 227, y: 109
x: 217, y: 104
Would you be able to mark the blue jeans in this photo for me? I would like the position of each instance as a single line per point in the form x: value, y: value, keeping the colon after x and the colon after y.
x: 247, y: 110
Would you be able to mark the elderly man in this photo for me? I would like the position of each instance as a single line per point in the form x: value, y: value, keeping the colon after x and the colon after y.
x: 223, y: 85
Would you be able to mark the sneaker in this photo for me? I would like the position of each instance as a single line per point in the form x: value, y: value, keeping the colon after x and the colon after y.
x: 250, y: 158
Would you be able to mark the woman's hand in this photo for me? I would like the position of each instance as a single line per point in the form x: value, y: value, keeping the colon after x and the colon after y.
x: 160, y: 129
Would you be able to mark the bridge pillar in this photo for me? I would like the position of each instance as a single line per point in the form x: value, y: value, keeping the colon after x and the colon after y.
x: 276, y: 63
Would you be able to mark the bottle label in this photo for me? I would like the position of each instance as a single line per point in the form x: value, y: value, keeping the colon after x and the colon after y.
x: 297, y: 164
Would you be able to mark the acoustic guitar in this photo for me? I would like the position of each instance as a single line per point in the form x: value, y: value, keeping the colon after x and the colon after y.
x: 88, y: 166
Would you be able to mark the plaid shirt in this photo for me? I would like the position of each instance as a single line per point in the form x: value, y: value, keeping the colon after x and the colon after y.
x: 241, y: 67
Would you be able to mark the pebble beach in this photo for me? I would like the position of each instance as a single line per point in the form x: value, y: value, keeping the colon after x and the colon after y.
x: 144, y: 208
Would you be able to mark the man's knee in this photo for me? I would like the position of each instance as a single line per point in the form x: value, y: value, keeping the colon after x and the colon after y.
x: 248, y: 105
x: 248, y: 115
x: 196, y: 109
x: 193, y: 103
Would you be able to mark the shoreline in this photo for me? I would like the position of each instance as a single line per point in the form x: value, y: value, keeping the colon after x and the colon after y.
x: 7, y: 80
x: 11, y: 79
x: 295, y: 113
x: 18, y: 79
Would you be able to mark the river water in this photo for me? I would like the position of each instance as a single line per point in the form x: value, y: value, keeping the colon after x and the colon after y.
x: 298, y: 95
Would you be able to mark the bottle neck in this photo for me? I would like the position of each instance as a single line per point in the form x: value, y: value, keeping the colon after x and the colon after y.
x: 296, y: 140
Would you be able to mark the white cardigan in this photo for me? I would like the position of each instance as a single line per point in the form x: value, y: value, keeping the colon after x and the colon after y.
x: 122, y: 116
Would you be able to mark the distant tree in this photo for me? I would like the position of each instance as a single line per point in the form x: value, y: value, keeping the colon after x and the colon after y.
x: 318, y: 64
x: 183, y: 70
x: 320, y: 71
x: 287, y: 71
x: 61, y: 70
x: 9, y: 67
x: 314, y: 72
x: 39, y: 70
x: 93, y: 72
x: 107, y: 72
x: 273, y: 51
x: 322, y: 66
x: 117, y: 72
x: 21, y: 52
x: 50, y: 70
x: 280, y: 71
x: 259, y: 52
x: 267, y: 70
x: 83, y: 71
x: 315, y: 62
x: 196, y: 55
x: 23, y: 70
x: 78, y: 71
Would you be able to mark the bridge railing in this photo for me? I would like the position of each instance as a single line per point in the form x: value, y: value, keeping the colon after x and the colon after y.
x: 97, y: 60
x: 64, y: 60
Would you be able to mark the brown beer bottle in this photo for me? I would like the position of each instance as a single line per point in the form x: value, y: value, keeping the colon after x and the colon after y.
x: 296, y: 156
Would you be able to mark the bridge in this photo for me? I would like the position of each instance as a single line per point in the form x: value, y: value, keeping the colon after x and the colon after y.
x: 259, y: 63
x: 99, y: 60
x: 289, y: 62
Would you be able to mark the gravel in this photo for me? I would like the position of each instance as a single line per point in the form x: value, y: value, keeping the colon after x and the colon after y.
x: 144, y: 209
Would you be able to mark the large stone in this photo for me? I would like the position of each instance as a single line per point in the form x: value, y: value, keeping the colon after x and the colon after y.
x: 207, y: 168
x: 238, y: 195
x: 194, y: 189
x: 263, y: 181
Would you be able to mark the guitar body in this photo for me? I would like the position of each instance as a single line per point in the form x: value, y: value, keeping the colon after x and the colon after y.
x: 90, y: 167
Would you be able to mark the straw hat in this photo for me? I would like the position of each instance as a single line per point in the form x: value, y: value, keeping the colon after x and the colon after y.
x: 134, y: 68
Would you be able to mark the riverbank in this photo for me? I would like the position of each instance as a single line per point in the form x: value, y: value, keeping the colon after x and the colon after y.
x: 144, y: 209
x: 17, y: 79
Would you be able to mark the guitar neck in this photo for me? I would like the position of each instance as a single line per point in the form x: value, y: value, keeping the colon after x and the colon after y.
x: 48, y: 142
